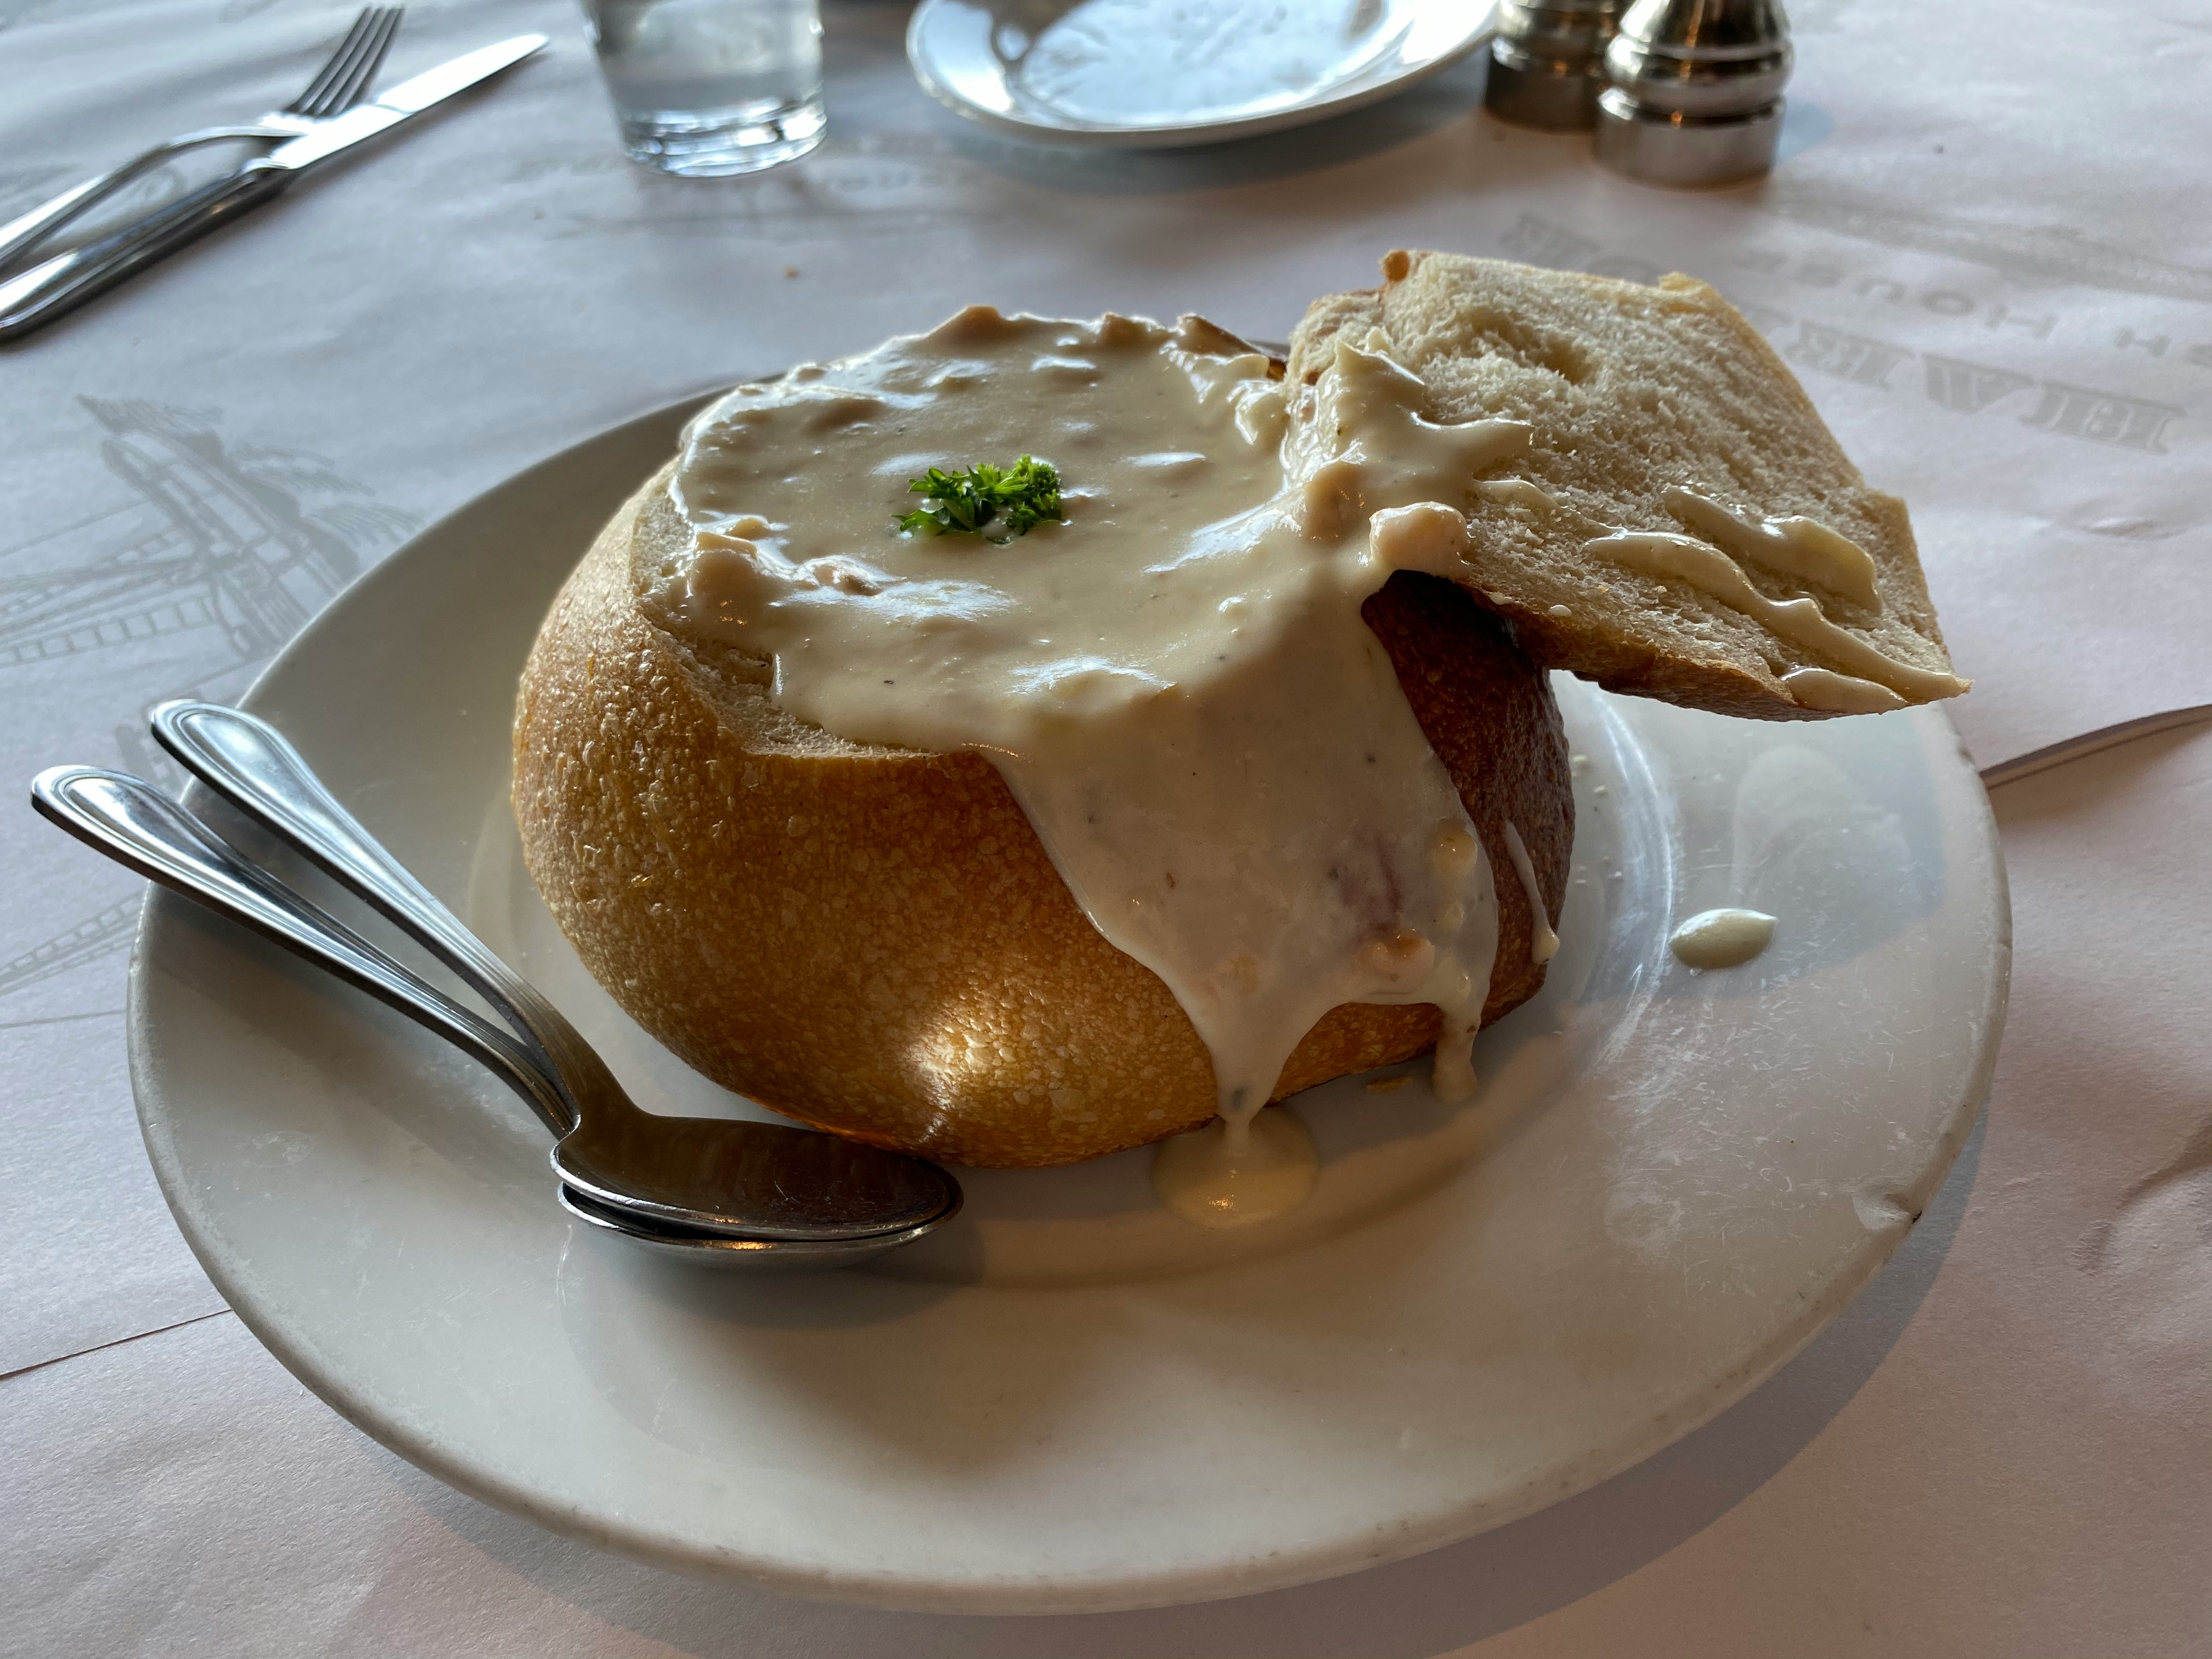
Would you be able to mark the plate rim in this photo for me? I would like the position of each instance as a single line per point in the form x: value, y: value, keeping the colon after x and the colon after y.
x: 1187, y: 134
x: 1014, y: 1594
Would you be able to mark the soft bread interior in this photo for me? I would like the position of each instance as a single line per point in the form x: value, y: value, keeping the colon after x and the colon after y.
x: 1634, y: 391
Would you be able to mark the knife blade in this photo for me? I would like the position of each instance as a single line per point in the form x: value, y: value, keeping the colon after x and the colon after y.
x: 52, y: 289
x: 408, y: 98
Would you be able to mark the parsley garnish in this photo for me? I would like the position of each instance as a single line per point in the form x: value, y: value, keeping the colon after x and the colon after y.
x: 962, y: 503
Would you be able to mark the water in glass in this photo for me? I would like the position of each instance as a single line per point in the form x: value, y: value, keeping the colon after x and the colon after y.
x: 706, y: 88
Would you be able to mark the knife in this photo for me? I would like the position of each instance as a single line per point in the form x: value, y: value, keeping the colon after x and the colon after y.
x: 60, y: 284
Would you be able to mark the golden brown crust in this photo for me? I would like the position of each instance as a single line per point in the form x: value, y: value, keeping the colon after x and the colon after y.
x: 874, y: 941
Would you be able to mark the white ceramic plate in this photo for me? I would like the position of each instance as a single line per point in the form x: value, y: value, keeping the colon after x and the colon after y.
x: 1068, y: 1401
x: 1153, y: 74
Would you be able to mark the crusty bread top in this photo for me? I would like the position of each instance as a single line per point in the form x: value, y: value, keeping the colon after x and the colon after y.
x: 1631, y: 390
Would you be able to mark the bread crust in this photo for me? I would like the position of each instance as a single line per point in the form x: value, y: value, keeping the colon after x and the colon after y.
x: 1631, y: 388
x: 874, y: 940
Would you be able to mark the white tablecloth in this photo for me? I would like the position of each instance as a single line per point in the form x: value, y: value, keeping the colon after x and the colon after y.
x: 1987, y: 252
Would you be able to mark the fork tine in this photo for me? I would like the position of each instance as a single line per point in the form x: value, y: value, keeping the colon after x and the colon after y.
x: 332, y: 66
x: 352, y: 66
x: 363, y: 71
x: 352, y: 81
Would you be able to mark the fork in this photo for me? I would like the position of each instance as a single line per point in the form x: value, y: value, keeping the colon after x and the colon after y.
x: 337, y: 87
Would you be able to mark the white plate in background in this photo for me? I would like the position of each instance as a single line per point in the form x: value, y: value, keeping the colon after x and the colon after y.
x: 1156, y: 74
x: 1068, y: 1401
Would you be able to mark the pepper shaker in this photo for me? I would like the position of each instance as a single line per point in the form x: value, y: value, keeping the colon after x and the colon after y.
x: 1696, y: 90
x: 1547, y: 60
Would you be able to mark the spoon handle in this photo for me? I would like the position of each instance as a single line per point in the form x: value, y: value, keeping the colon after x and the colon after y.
x: 252, y: 765
x: 139, y: 827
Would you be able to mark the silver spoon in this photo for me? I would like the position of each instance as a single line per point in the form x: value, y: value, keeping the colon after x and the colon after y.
x: 862, y: 1200
x: 756, y: 1180
x: 725, y: 1250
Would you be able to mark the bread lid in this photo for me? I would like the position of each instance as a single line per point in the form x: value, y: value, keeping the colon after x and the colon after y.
x: 1682, y: 525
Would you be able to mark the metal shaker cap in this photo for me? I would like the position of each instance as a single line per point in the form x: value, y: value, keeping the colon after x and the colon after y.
x: 1696, y: 90
x: 1547, y: 60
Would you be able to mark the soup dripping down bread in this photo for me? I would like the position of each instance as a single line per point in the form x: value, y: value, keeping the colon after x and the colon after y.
x: 865, y: 931
x: 817, y: 923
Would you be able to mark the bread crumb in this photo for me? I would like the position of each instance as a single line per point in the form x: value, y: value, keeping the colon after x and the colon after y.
x: 791, y: 270
x: 1383, y: 1085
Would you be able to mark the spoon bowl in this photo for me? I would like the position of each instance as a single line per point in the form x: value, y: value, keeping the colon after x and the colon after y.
x: 785, y: 1184
x: 707, y: 1250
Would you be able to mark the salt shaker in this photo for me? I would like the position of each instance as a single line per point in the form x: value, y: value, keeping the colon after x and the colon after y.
x: 1696, y: 90
x: 1547, y: 60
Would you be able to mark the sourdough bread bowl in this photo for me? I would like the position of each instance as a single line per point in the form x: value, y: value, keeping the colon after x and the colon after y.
x: 873, y: 939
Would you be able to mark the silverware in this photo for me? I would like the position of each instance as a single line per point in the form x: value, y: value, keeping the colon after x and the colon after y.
x: 1548, y: 64
x: 31, y: 300
x: 337, y: 86
x: 2090, y: 742
x: 1696, y: 91
x: 721, y: 1250
x: 669, y: 1168
x: 139, y: 827
x: 767, y: 1195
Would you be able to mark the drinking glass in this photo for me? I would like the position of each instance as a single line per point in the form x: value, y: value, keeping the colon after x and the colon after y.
x: 708, y: 87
